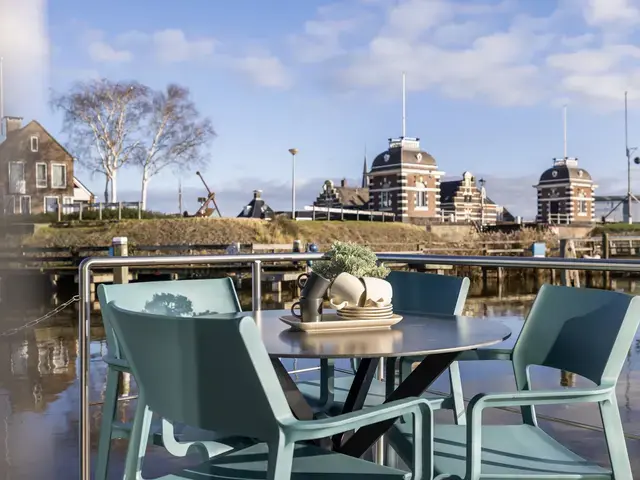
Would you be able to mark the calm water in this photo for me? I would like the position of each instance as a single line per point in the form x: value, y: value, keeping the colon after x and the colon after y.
x: 39, y: 390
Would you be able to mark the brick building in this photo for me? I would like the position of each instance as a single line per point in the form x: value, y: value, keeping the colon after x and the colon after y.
x: 565, y: 194
x: 463, y: 201
x: 405, y: 180
x: 36, y: 172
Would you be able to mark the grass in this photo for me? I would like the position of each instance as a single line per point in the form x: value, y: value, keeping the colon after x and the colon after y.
x: 217, y: 231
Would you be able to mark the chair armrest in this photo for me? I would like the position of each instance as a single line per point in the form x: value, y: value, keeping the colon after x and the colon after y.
x: 536, y: 397
x: 517, y: 399
x: 117, y: 363
x: 326, y: 427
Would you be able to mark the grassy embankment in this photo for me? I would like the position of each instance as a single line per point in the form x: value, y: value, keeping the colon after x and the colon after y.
x: 176, y: 231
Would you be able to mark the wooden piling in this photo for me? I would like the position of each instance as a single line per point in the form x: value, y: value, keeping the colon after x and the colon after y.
x: 120, y: 249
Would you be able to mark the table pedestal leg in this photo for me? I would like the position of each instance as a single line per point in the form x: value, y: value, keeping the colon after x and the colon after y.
x: 413, y: 386
x: 298, y: 404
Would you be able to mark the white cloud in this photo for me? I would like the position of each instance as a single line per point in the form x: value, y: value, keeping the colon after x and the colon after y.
x: 102, y: 52
x: 173, y: 46
x: 485, y: 50
x: 264, y: 69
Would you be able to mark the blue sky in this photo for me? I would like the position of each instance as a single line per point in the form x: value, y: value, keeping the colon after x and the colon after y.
x: 486, y: 81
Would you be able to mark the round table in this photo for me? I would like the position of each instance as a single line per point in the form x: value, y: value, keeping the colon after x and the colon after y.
x: 437, y: 338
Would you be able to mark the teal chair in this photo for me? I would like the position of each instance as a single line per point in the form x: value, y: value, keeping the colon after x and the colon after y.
x: 180, y: 298
x: 215, y: 374
x: 584, y: 331
x: 413, y: 292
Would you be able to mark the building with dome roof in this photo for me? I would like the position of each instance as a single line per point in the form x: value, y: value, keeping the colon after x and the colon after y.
x: 565, y: 194
x: 405, y: 180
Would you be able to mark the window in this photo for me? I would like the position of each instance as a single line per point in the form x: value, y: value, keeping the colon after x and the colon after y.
x: 41, y: 175
x: 9, y: 204
x: 58, y: 175
x: 50, y: 204
x: 17, y: 182
x: 582, y: 204
x: 421, y: 199
x: 34, y: 143
x: 25, y: 205
x: 68, y: 206
x: 385, y: 200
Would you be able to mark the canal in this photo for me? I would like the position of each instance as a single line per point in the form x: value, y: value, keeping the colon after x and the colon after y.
x: 39, y: 397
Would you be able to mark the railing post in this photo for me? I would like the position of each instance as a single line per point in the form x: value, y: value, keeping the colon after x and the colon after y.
x: 120, y: 249
x: 256, y: 285
x: 84, y: 334
x: 119, y: 210
x: 100, y: 211
x: 80, y: 211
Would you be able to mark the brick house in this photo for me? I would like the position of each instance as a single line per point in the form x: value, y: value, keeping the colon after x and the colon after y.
x: 565, y: 194
x: 406, y: 181
x: 462, y: 201
x: 343, y: 196
x: 36, y: 171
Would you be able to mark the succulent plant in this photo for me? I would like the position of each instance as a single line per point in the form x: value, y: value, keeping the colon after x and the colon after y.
x: 352, y: 258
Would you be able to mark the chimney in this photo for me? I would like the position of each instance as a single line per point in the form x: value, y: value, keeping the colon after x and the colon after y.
x: 12, y: 124
x: 343, y: 182
x: 257, y: 194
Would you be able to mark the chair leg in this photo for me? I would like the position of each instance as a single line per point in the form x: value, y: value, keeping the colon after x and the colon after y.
x: 457, y: 397
x: 109, y: 408
x: 138, y: 440
x: 327, y: 376
x: 614, y: 436
x: 280, y: 460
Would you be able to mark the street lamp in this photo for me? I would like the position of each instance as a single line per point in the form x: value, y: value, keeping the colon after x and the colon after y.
x: 293, y: 152
x: 482, y: 195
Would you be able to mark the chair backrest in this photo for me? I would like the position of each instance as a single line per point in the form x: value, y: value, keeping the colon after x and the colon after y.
x: 212, y: 373
x: 581, y: 330
x: 429, y: 293
x: 178, y: 298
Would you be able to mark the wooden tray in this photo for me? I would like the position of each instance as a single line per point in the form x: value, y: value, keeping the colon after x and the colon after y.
x: 331, y: 323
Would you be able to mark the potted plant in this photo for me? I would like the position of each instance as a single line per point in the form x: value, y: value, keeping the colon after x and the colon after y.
x: 358, y: 260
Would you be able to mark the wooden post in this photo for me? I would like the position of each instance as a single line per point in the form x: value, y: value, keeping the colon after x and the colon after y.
x: 100, y: 211
x: 139, y: 210
x: 569, y: 277
x: 119, y: 210
x: 58, y: 209
x: 313, y: 212
x: 120, y: 249
x: 358, y: 215
x: 606, y: 253
x: 342, y: 212
x: 80, y: 211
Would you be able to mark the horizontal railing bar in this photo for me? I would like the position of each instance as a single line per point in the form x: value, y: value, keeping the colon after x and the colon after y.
x: 304, y: 370
x: 461, y: 260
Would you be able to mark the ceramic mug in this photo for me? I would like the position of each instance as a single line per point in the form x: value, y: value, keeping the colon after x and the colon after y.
x: 313, y: 285
x: 310, y: 309
x: 346, y: 290
x: 378, y: 292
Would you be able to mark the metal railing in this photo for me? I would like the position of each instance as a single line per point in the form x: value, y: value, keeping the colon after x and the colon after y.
x: 256, y: 261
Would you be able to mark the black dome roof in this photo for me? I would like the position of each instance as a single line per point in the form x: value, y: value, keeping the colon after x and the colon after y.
x: 565, y: 171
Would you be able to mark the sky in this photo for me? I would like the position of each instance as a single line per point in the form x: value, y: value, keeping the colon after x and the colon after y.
x: 486, y: 82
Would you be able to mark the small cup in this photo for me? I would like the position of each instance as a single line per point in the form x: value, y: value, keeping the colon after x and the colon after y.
x: 310, y: 309
x: 378, y: 292
x: 313, y: 285
x: 346, y: 288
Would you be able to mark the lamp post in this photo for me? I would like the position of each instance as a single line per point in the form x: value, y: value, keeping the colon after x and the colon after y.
x: 293, y: 152
x: 482, y: 195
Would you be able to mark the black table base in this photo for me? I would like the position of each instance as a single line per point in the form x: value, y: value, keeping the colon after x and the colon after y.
x: 356, y: 444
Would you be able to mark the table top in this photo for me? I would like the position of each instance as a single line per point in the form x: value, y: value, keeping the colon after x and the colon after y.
x: 417, y: 334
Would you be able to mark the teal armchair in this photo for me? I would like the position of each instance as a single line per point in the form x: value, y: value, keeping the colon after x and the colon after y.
x: 181, y: 298
x: 215, y: 374
x: 412, y: 292
x: 584, y: 331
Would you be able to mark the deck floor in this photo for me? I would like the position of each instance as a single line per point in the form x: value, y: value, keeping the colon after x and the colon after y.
x: 39, y: 407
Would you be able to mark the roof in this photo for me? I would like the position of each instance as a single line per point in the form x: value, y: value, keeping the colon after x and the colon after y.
x: 350, y: 196
x: 78, y: 184
x: 565, y: 169
x: 403, y: 151
x: 11, y: 135
x: 449, y: 189
x: 257, y: 208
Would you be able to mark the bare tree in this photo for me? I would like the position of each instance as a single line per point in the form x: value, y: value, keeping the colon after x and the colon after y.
x: 176, y: 135
x: 102, y: 119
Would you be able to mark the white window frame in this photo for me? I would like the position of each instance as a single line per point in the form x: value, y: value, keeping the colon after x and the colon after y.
x: 22, y: 197
x: 45, y: 203
x: 46, y: 175
x: 582, y: 205
x: 63, y: 165
x: 24, y: 175
x: 31, y: 143
x: 4, y: 204
x: 421, y: 199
